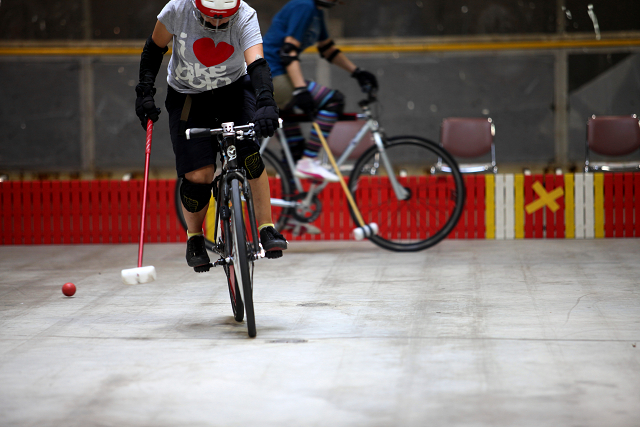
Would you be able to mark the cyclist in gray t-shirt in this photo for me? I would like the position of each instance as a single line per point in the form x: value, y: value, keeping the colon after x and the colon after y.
x: 216, y: 74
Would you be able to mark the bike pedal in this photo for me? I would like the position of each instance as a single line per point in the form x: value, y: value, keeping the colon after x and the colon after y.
x: 203, y: 268
x: 219, y: 262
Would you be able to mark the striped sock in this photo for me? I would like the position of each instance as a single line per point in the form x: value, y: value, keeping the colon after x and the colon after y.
x: 326, y: 120
x: 295, y: 140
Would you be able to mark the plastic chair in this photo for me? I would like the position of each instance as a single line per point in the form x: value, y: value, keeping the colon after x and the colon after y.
x: 612, y: 136
x: 468, y: 138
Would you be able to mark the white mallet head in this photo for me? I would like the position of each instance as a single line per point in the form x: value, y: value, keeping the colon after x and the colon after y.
x: 133, y: 276
x: 365, y: 231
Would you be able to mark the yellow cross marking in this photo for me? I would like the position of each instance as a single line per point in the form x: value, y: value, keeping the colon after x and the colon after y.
x: 546, y: 199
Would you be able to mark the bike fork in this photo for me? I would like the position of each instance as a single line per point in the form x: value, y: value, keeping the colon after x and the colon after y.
x: 401, y: 192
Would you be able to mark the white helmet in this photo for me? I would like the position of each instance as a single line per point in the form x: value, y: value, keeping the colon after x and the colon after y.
x: 217, y: 9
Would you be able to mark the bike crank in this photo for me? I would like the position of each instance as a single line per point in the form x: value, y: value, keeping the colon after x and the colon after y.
x: 308, y: 207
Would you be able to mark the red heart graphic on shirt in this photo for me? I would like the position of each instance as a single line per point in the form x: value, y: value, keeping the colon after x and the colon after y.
x: 209, y: 54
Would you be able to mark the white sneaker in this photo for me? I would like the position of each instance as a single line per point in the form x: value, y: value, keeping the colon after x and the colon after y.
x: 311, y: 169
x: 298, y: 228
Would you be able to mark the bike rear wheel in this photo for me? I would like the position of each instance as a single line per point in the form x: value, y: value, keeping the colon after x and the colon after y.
x: 433, y: 203
x: 242, y: 257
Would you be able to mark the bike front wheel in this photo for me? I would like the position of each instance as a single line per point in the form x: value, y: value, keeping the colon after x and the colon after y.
x: 232, y: 279
x: 281, y: 188
x: 242, y: 256
x: 430, y: 201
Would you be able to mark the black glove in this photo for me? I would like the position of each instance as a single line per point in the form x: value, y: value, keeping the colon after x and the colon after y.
x: 367, y: 81
x: 266, y: 118
x: 145, y: 106
x: 304, y: 101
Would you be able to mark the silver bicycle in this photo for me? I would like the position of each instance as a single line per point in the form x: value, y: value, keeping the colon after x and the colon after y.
x: 394, y: 184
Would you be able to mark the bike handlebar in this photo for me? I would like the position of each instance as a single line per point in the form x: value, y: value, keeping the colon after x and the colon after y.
x: 226, y: 128
x: 199, y: 132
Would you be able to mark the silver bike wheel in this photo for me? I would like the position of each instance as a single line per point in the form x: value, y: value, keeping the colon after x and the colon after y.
x: 433, y: 201
x: 242, y: 260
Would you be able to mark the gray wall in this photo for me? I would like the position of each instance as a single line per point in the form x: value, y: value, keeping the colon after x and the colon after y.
x: 40, y: 117
x: 40, y: 114
x: 44, y: 99
x: 126, y: 20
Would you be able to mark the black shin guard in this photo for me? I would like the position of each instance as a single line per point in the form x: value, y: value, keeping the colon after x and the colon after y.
x: 194, y: 196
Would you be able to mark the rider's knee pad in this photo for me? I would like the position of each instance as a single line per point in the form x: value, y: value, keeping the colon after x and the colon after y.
x: 250, y: 159
x: 335, y: 104
x: 194, y: 196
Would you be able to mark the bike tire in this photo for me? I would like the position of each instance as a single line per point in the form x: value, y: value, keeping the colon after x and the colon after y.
x: 280, y: 183
x: 232, y: 280
x: 242, y: 259
x: 435, y: 201
x: 234, y: 293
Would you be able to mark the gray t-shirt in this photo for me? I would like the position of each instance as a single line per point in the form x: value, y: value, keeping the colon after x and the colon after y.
x: 203, y: 60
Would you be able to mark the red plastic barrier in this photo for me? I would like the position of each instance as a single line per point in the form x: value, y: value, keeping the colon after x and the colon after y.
x: 102, y: 211
x: 72, y: 212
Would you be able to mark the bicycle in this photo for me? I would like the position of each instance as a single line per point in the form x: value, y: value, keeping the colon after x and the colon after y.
x: 416, y: 206
x: 237, y: 250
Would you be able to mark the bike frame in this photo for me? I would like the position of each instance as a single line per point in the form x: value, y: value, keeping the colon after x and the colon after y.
x: 232, y: 170
x: 371, y: 125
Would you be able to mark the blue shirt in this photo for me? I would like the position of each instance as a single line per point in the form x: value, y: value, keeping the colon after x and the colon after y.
x: 300, y: 19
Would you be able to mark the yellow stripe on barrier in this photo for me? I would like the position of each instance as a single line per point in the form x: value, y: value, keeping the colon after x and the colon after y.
x: 519, y: 205
x: 71, y: 51
x: 569, y: 207
x: 488, y: 46
x: 96, y: 49
x: 598, y: 204
x: 490, y: 215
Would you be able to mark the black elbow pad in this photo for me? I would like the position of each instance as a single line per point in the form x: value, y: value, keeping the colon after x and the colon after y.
x: 285, y: 54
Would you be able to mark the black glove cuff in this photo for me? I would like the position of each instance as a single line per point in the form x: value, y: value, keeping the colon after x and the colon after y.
x: 266, y: 102
x: 356, y: 72
x: 145, y: 90
x: 151, y: 61
x: 297, y: 91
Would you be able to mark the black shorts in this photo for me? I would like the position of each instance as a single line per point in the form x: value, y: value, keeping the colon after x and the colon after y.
x: 232, y: 103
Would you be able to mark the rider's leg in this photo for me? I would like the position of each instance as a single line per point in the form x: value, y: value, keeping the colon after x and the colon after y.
x: 195, y: 161
x: 195, y: 194
x: 272, y: 241
x: 261, y: 199
x: 330, y: 104
x: 249, y: 157
x: 326, y: 121
x: 194, y: 220
x: 295, y: 139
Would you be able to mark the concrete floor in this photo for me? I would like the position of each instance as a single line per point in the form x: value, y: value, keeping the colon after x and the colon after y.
x: 468, y: 333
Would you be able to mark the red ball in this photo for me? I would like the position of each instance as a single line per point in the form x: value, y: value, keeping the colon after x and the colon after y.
x: 69, y: 289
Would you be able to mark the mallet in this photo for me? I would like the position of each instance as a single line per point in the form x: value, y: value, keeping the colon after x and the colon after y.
x: 141, y: 274
x: 364, y: 230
